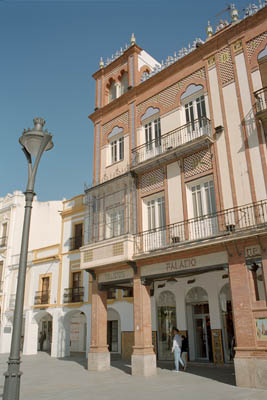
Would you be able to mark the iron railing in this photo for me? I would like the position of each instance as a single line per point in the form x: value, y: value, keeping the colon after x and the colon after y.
x: 172, y: 140
x: 228, y: 221
x: 42, y: 297
x: 73, y: 295
x: 75, y: 242
x: 3, y: 241
x: 261, y: 99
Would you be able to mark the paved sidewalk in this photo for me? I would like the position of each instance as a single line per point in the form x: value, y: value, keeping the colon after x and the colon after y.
x: 46, y: 378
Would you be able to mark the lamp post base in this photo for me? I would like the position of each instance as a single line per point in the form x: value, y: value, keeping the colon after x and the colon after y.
x: 12, y: 380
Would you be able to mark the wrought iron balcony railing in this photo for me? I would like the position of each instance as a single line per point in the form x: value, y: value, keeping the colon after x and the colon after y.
x: 3, y: 241
x: 171, y: 140
x: 42, y: 297
x: 75, y: 242
x: 233, y: 220
x: 73, y: 295
x: 261, y: 99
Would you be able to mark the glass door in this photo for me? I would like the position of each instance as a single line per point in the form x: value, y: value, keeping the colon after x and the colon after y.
x: 203, y: 344
x: 166, y: 310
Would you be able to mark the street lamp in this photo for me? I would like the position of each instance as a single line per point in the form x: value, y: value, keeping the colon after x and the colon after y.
x: 34, y: 142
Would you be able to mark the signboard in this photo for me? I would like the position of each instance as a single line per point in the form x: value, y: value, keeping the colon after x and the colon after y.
x: 252, y: 251
x: 184, y: 264
x: 115, y: 275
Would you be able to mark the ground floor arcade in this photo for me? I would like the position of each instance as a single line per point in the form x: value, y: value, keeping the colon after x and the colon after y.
x: 215, y: 295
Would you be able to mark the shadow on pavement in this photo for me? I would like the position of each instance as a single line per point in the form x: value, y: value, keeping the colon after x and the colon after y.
x: 79, y: 358
x: 224, y: 374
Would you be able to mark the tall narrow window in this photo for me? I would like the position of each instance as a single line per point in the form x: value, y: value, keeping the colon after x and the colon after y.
x: 117, y: 150
x: 78, y: 236
x: 3, y: 238
x: 115, y: 222
x: 45, y: 290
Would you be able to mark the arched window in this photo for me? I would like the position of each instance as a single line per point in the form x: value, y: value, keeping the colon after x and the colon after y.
x: 124, y: 83
x: 112, y: 91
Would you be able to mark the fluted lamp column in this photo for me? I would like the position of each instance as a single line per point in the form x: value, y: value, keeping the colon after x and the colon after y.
x: 34, y: 142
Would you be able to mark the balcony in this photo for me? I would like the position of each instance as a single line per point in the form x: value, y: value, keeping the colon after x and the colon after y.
x: 73, y: 295
x: 42, y: 297
x: 75, y: 243
x: 234, y: 221
x: 3, y: 241
x: 187, y: 138
x: 261, y: 103
x: 115, y: 250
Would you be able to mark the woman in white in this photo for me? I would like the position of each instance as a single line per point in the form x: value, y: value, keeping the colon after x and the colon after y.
x: 176, y: 348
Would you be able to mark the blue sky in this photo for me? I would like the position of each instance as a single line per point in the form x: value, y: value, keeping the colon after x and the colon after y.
x: 49, y: 51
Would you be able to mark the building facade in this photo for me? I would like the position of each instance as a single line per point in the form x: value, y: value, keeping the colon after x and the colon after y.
x: 175, y: 223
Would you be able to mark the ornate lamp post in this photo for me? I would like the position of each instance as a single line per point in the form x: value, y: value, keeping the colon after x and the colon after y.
x: 34, y: 142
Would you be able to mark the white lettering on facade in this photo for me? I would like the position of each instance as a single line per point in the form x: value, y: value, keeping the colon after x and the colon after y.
x: 252, y: 251
x: 181, y: 264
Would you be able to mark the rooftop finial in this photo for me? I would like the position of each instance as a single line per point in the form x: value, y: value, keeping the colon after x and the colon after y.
x: 234, y: 13
x: 209, y: 30
x: 132, y: 39
x: 101, y: 63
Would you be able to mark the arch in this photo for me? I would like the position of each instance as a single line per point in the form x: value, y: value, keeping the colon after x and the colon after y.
x: 150, y: 111
x: 167, y: 299
x: 76, y: 331
x: 112, y: 90
x: 196, y: 295
x: 115, y: 131
x: 37, y: 317
x: 195, y: 81
x: 258, y: 55
x: 123, y: 78
x: 224, y: 296
x: 145, y: 69
x: 191, y: 89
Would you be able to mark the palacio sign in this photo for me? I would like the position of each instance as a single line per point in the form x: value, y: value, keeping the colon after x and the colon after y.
x: 184, y: 264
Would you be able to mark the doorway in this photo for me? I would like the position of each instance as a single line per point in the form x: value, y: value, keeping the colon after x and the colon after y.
x: 45, y: 333
x: 166, y: 310
x: 198, y: 323
x: 203, y: 342
x: 112, y: 339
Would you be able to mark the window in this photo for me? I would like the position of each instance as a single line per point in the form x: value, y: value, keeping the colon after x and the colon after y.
x: 124, y: 83
x: 3, y: 238
x: 45, y: 285
x: 78, y: 236
x: 112, y: 93
x: 114, y: 222
x: 117, y: 150
x: 195, y: 109
x: 202, y: 208
x: 154, y: 222
x: 76, y: 279
x: 153, y: 134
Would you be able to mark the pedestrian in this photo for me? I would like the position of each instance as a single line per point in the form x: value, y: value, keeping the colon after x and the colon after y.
x: 41, y: 340
x: 176, y: 348
x: 184, y: 351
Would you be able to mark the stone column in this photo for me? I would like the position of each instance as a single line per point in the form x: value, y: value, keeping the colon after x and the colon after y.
x: 250, y: 359
x: 98, y: 356
x: 143, y: 357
